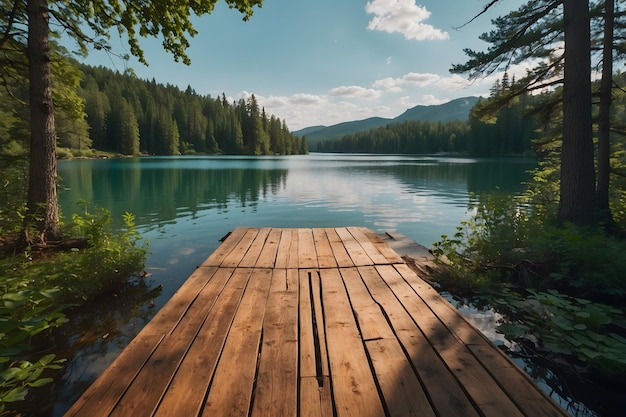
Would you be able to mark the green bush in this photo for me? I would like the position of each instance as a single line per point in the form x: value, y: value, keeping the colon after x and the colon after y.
x: 35, y: 288
x: 24, y: 313
x: 558, y: 324
x: 488, y: 248
x: 110, y: 258
x: 552, y: 283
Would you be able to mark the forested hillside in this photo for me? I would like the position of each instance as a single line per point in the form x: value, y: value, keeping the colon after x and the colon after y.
x: 131, y: 116
x: 97, y: 109
x: 457, y: 109
x: 510, y: 133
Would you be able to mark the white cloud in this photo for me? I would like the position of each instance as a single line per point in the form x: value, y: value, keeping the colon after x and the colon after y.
x: 429, y: 99
x: 389, y: 84
x: 355, y: 91
x: 402, y: 16
x: 421, y: 79
x: 306, y: 99
x: 276, y: 102
x: 455, y: 82
x: 414, y: 79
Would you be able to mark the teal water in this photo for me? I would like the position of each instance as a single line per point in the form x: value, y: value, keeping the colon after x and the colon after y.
x: 184, y: 205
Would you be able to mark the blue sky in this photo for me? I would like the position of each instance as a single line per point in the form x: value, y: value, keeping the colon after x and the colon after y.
x: 323, y: 62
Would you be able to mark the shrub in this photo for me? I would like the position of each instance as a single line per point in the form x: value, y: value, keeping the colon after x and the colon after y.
x: 36, y: 288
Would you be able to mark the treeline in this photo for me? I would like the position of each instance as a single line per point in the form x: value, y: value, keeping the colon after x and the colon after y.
x: 132, y: 116
x: 409, y: 137
x: 510, y: 133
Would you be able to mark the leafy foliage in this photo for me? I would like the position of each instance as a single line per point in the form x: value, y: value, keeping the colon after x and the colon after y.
x: 17, y: 379
x: 559, y: 324
x: 110, y: 258
x: 555, y: 285
x: 488, y: 246
x: 36, y: 288
x: 25, y: 311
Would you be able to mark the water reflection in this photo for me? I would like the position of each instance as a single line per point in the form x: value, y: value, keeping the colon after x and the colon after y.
x: 158, y: 191
x: 90, y: 341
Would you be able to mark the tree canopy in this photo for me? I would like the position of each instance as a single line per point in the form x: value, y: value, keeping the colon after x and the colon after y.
x: 26, y: 27
x: 555, y: 37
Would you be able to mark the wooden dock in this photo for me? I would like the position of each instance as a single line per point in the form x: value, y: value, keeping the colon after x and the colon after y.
x: 310, y: 322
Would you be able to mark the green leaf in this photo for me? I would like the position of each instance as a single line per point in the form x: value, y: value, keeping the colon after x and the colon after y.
x: 47, y: 359
x: 590, y: 353
x: 15, y: 394
x: 40, y: 382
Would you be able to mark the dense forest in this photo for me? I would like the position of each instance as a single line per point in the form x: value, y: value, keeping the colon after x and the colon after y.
x: 123, y: 114
x: 510, y: 132
x: 132, y: 116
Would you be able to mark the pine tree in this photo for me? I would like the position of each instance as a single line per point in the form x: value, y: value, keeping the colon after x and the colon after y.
x: 538, y: 29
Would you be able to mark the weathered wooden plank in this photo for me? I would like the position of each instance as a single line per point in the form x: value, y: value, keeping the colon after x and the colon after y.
x: 315, y: 391
x: 401, y: 389
x: 232, y: 384
x: 233, y: 259
x: 254, y: 251
x: 372, y: 322
x: 307, y: 257
x: 227, y: 246
x: 354, y: 389
x: 315, y: 397
x: 455, y: 322
x: 354, y: 248
x: 105, y: 392
x: 293, y: 260
x: 368, y: 246
x: 276, y: 392
x: 448, y: 397
x: 517, y: 383
x: 284, y: 251
x: 320, y: 325
x: 391, y: 255
x: 168, y: 317
x: 307, y: 340
x: 267, y: 259
x: 325, y: 258
x: 479, y: 384
x: 189, y: 386
x: 155, y: 376
x: 402, y: 393
x: 339, y: 250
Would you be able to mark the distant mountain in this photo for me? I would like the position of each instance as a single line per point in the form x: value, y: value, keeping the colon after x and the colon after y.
x: 453, y: 110
x: 310, y: 129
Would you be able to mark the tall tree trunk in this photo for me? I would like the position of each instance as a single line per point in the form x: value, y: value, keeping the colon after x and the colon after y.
x: 604, y: 126
x: 42, y: 206
x: 577, y: 193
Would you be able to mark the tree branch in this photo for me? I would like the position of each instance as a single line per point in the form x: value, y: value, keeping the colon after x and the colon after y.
x: 10, y: 21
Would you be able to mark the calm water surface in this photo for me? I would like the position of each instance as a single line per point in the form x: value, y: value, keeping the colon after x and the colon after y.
x: 184, y: 205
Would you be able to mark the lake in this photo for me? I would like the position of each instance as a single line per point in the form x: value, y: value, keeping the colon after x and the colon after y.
x: 184, y: 205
